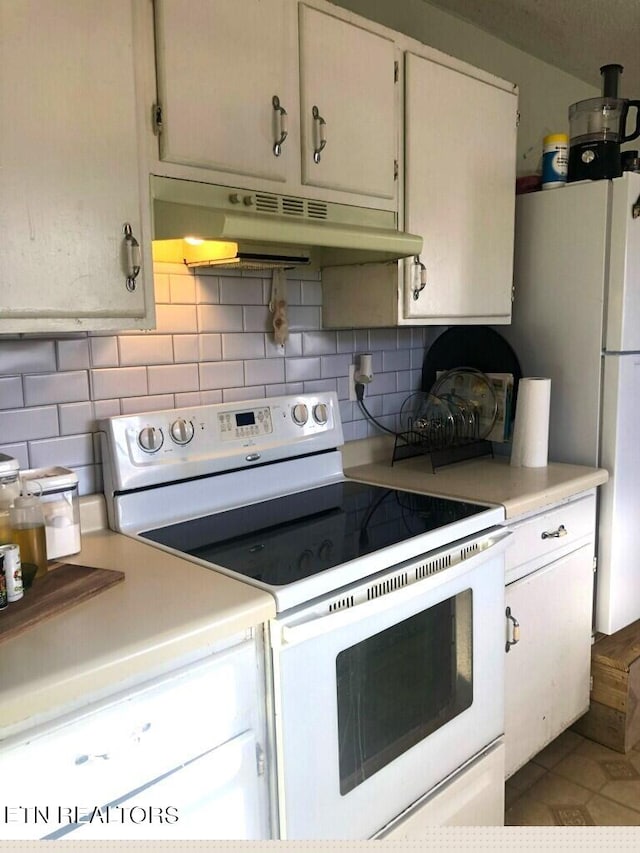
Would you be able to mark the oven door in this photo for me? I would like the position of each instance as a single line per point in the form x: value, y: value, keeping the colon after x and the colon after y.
x: 387, y: 688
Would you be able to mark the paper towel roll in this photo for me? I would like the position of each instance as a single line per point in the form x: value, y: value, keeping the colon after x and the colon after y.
x: 530, y: 446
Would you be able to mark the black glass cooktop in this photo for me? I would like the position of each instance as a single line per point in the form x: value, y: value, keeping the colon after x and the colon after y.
x: 293, y: 537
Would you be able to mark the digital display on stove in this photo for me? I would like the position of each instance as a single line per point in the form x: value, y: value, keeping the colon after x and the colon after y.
x: 245, y: 419
x: 285, y: 539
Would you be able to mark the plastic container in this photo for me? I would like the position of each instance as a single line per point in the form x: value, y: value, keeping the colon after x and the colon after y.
x: 555, y: 160
x: 27, y: 531
x: 9, y: 491
x: 57, y: 489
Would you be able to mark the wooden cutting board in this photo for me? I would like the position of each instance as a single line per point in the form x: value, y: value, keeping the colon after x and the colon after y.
x: 61, y: 588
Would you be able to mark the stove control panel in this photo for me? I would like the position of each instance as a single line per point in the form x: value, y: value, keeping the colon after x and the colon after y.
x: 165, y: 446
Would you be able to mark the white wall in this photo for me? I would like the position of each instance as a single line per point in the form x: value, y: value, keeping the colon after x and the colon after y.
x: 545, y: 91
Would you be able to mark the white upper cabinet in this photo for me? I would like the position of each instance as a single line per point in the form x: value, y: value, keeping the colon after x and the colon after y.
x: 276, y: 95
x: 225, y: 75
x: 70, y: 179
x: 460, y: 192
x: 460, y: 128
x: 348, y: 112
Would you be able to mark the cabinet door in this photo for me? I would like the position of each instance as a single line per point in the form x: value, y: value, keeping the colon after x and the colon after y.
x: 547, y: 671
x: 460, y: 193
x: 347, y: 76
x: 69, y: 175
x: 218, y: 69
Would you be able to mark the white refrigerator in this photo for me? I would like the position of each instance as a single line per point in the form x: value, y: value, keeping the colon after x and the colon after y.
x: 576, y: 319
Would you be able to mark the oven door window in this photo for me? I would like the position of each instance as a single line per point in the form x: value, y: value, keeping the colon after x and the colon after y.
x: 399, y: 686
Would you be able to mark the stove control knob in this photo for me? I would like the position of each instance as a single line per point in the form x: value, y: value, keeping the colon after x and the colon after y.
x: 150, y: 439
x: 182, y: 431
x: 300, y: 414
x: 320, y: 413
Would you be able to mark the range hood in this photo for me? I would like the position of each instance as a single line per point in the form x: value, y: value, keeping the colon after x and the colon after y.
x: 209, y: 225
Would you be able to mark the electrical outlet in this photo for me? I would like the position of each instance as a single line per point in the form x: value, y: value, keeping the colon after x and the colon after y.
x: 352, y: 382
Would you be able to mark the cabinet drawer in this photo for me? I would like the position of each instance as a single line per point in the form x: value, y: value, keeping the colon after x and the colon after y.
x: 548, y: 535
x: 116, y: 747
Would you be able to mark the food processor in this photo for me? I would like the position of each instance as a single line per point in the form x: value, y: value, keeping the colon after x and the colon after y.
x: 598, y: 127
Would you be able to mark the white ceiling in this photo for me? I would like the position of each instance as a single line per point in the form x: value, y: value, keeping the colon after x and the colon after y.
x: 577, y: 36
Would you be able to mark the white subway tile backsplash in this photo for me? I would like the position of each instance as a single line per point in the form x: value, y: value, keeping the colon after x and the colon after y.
x: 32, y: 356
x: 67, y: 450
x: 73, y: 354
x: 380, y: 339
x: 172, y: 378
x: 250, y: 392
x: 334, y: 365
x: 264, y: 371
x: 302, y: 318
x: 145, y: 349
x: 311, y: 293
x: 27, y: 424
x: 240, y: 291
x: 319, y: 343
x: 104, y: 352
x: 161, y: 287
x: 182, y: 289
x: 219, y: 318
x: 173, y: 319
x: 188, y: 399
x: 119, y: 382
x: 214, y: 342
x: 207, y: 289
x: 106, y: 409
x: 399, y: 359
x: 257, y: 319
x: 76, y: 418
x: 133, y: 405
x: 243, y: 345
x: 11, y: 396
x: 209, y: 347
x: 209, y: 397
x: 300, y: 369
x: 223, y: 374
x: 19, y: 451
x: 185, y: 348
x: 319, y: 386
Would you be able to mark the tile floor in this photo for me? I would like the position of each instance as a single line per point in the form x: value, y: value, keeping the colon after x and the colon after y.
x: 575, y: 782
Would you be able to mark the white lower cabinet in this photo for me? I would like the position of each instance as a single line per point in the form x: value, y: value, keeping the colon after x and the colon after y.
x: 548, y: 627
x: 181, y: 757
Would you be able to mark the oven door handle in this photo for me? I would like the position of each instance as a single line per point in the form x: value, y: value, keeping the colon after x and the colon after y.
x: 288, y: 635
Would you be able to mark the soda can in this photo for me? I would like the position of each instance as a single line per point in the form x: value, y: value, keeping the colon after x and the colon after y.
x: 12, y: 572
x: 3, y: 585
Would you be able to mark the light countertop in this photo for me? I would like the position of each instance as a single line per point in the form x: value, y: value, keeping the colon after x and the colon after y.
x: 166, y: 612
x: 487, y: 480
x: 169, y: 611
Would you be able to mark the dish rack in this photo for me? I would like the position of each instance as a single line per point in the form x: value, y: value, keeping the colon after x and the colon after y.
x: 451, y: 422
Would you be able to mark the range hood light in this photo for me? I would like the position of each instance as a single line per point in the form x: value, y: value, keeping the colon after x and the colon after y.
x: 270, y: 230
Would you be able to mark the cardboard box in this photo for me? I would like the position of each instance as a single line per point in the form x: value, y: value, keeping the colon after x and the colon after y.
x: 613, y: 718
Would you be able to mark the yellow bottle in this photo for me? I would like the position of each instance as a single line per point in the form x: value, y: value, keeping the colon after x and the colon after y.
x: 27, y: 531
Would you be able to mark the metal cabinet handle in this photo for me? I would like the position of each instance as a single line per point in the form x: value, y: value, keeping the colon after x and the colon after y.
x: 555, y: 534
x: 133, y: 257
x: 320, y: 141
x: 516, y: 630
x: 280, y: 115
x: 419, y: 277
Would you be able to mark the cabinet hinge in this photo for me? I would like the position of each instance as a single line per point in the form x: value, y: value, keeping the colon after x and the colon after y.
x: 590, y: 683
x: 156, y: 119
x: 517, y: 118
x: 396, y: 71
x: 513, y: 293
x: 396, y: 170
x: 260, y: 761
x: 595, y: 564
